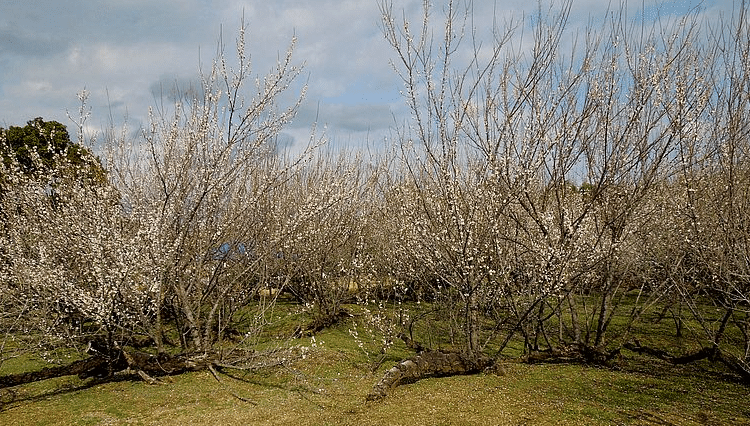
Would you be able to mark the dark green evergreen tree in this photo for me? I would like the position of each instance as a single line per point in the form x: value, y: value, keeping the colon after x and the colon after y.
x: 51, y: 142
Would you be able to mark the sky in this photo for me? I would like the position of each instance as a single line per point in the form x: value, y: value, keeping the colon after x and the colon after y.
x: 128, y: 53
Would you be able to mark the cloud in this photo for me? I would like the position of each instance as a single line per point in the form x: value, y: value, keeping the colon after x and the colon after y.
x: 174, y: 88
x: 348, y: 117
x: 126, y: 51
x: 17, y: 42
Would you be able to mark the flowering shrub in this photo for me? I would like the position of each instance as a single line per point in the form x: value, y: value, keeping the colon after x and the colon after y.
x: 532, y: 196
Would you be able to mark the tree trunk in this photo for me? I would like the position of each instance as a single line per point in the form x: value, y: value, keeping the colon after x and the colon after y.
x: 472, y: 323
x: 102, y: 366
x: 713, y: 353
x: 576, y: 353
x: 603, y: 313
x: 574, y: 318
x: 427, y: 364
x: 84, y: 368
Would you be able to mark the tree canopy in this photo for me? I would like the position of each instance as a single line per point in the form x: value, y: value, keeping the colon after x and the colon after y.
x: 42, y: 146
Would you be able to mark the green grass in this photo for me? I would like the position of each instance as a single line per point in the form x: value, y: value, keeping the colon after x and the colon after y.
x: 541, y: 394
x: 329, y: 387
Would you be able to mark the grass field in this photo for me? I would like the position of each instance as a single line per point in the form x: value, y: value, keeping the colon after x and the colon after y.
x: 329, y: 386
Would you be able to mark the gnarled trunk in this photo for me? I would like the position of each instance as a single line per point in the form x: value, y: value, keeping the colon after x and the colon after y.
x: 100, y: 365
x: 427, y: 364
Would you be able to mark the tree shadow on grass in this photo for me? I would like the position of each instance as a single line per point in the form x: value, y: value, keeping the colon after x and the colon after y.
x: 12, y: 397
